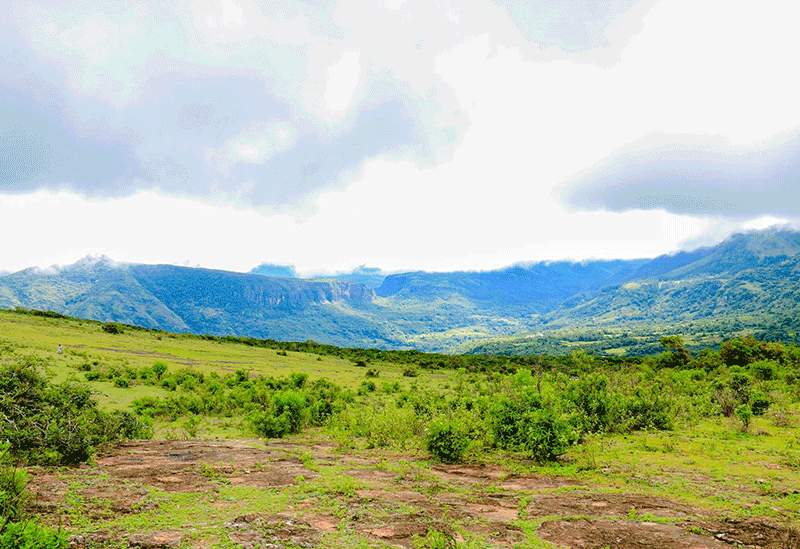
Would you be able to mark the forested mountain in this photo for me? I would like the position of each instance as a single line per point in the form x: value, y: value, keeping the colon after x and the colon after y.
x: 754, y: 276
x: 750, y: 281
x: 534, y: 288
x: 194, y: 300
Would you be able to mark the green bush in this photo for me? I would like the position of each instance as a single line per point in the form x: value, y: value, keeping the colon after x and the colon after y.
x: 12, y: 489
x: 510, y: 421
x: 299, y: 379
x: 284, y: 416
x: 547, y: 435
x: 764, y: 370
x: 159, y: 368
x: 590, y: 395
x: 121, y: 382
x: 642, y: 410
x: 446, y: 441
x: 759, y: 405
x: 745, y: 415
x: 112, y: 328
x: 49, y: 424
x: 29, y: 535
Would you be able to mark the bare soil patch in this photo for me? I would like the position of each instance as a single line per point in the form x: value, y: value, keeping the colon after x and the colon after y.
x: 364, y: 496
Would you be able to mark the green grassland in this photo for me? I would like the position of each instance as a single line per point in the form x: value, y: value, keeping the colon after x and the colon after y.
x: 84, y: 341
x: 713, y: 430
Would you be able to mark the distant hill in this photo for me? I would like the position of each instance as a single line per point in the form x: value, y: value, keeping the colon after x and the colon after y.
x: 752, y: 278
x: 194, y: 300
x: 531, y: 289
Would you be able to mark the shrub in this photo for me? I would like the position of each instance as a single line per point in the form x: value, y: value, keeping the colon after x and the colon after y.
x: 299, y: 379
x: 759, y: 405
x: 642, y: 410
x: 159, y: 368
x: 29, y: 535
x: 510, y: 420
x: 590, y: 396
x: 284, y: 416
x: 745, y: 415
x: 446, y: 441
x: 321, y: 411
x: 121, y: 382
x: 764, y: 370
x: 50, y: 424
x: 12, y: 489
x: 269, y: 426
x: 112, y: 328
x: 547, y: 435
x: 169, y: 383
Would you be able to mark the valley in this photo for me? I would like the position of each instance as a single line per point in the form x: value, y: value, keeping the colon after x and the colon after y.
x: 748, y: 283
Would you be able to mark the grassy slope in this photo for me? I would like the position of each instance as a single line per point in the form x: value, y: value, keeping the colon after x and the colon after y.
x: 85, y: 341
x: 710, y: 464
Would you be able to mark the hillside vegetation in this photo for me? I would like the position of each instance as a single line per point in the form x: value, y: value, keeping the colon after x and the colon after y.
x: 749, y: 283
x: 714, y: 432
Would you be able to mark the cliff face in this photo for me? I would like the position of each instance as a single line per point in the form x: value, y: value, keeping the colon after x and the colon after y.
x: 178, y: 286
x: 182, y: 299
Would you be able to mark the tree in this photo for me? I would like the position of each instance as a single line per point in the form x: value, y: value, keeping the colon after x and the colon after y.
x: 676, y: 354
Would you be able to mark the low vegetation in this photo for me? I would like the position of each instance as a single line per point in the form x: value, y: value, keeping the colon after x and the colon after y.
x: 556, y: 414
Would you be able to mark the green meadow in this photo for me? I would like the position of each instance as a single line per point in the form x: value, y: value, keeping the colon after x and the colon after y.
x: 684, y: 441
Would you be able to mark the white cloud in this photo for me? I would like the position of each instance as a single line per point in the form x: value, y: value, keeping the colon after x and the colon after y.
x: 262, y: 141
x: 342, y: 83
x: 523, y: 118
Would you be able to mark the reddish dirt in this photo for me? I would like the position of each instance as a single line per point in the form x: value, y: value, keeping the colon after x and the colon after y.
x: 395, y: 505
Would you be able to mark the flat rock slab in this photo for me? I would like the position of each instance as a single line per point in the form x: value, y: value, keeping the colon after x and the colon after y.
x: 166, y: 539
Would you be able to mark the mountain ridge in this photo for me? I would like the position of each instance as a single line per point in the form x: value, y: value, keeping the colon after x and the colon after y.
x: 755, y: 273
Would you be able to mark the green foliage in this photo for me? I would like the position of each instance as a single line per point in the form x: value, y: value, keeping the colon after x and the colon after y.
x: 446, y: 440
x: 50, y: 424
x: 547, y: 435
x: 121, y: 382
x: 591, y: 397
x: 286, y: 414
x: 759, y: 404
x: 764, y: 370
x: 435, y: 539
x: 159, y: 368
x: 13, y: 481
x: 29, y: 535
x: 16, y: 531
x: 112, y: 328
x: 676, y: 355
x: 745, y: 415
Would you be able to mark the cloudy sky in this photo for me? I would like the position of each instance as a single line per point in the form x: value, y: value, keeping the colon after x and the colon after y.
x: 402, y: 134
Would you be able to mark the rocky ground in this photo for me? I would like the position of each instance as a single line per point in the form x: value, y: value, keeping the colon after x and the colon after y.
x: 175, y: 493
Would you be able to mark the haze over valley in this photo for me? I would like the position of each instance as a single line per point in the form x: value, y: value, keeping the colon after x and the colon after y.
x: 748, y: 282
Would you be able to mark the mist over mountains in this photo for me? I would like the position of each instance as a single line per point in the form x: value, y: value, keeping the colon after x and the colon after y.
x: 754, y: 275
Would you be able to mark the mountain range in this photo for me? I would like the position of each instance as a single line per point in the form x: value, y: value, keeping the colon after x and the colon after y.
x: 752, y: 277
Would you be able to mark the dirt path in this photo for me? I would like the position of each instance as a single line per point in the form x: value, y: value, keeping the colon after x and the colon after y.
x: 168, y: 493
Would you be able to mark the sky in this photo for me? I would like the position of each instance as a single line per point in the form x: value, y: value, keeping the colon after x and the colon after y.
x: 399, y: 134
